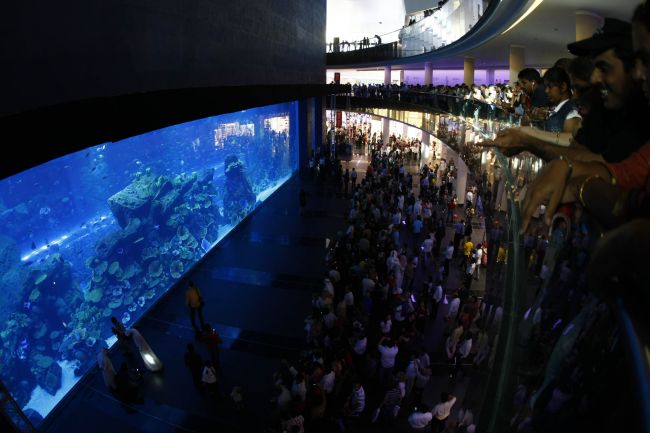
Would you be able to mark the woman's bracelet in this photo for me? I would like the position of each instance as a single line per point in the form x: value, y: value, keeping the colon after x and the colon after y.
x: 582, y: 188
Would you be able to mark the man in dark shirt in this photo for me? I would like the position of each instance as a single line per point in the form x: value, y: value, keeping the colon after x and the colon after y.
x: 532, y: 84
x: 618, y: 126
x: 614, y: 128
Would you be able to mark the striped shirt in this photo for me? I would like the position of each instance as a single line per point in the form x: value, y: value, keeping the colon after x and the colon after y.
x: 393, y: 398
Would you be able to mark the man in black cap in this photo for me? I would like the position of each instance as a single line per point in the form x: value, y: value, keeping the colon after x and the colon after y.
x: 620, y: 126
x: 613, y: 129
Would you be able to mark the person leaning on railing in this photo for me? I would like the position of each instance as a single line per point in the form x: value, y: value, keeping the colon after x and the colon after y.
x: 613, y: 106
x: 613, y: 192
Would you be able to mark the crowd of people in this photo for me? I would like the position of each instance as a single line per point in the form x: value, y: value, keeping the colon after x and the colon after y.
x: 401, y: 272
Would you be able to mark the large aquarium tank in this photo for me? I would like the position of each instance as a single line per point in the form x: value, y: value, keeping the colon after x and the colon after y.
x: 106, y: 231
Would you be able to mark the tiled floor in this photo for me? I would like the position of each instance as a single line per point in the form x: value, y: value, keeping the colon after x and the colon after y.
x: 258, y: 287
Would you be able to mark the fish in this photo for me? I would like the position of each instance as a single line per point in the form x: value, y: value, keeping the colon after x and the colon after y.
x: 93, y: 169
x: 104, y: 177
x: 87, y: 154
x: 205, y: 245
x: 33, y: 245
x: 138, y: 240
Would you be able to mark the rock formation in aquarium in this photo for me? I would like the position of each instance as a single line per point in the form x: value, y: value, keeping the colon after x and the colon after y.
x: 238, y: 199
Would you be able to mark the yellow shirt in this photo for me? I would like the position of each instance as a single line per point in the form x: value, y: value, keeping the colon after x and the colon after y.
x: 469, y: 246
x: 193, y: 297
x: 501, y: 256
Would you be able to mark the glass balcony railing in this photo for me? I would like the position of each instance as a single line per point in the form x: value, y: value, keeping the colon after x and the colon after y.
x: 426, y: 32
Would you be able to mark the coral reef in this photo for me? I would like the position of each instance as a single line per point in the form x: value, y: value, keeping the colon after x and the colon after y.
x: 239, y: 198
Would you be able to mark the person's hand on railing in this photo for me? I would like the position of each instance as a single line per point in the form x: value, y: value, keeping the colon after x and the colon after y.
x: 551, y: 185
x: 510, y: 141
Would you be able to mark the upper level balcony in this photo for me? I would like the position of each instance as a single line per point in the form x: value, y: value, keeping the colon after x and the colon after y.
x: 454, y: 27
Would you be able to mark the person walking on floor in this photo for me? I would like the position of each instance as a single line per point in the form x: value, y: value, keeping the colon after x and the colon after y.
x: 194, y: 301
x: 108, y: 371
x: 441, y: 412
x: 123, y: 340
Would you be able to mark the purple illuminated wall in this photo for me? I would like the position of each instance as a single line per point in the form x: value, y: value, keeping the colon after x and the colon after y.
x: 452, y: 77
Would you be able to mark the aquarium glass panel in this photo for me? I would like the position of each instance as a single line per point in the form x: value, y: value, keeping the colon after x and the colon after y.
x: 106, y: 231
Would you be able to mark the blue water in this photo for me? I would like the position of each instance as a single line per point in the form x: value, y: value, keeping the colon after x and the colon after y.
x: 105, y: 231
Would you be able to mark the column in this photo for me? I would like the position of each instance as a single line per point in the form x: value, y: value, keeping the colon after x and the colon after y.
x: 517, y: 55
x: 461, y: 179
x: 387, y: 72
x: 425, y: 149
x: 489, y: 76
x: 428, y: 73
x: 586, y: 24
x: 468, y: 71
x: 405, y: 130
x: 401, y: 76
x: 386, y: 132
x: 305, y: 118
x: 319, y: 130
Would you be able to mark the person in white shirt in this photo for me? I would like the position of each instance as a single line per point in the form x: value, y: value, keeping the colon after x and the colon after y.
x: 479, y: 259
x: 411, y: 374
x: 360, y: 345
x: 335, y: 275
x: 357, y: 401
x: 367, y: 286
x: 436, y: 299
x: 386, y: 325
x: 298, y: 387
x: 454, y: 305
x: 328, y: 286
x: 469, y: 197
x: 388, y: 350
x: 348, y: 298
x: 427, y: 247
x: 463, y: 350
x: 449, y: 255
x: 328, y: 379
x: 420, y: 419
x: 441, y: 412
x: 330, y: 319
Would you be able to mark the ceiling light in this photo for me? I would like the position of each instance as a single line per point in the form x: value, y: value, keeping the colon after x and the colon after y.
x: 528, y: 12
